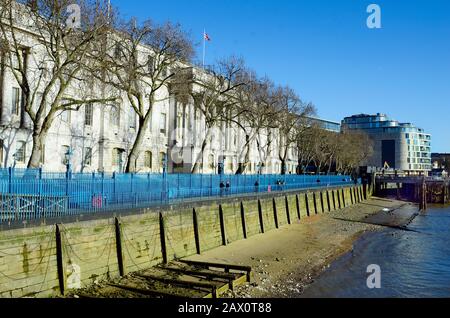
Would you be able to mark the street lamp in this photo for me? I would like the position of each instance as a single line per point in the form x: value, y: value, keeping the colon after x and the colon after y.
x: 68, y: 156
x: 164, y: 164
x: 259, y: 166
x: 221, y: 165
x: 15, y: 159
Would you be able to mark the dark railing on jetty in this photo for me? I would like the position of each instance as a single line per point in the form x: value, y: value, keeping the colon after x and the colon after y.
x: 420, y: 189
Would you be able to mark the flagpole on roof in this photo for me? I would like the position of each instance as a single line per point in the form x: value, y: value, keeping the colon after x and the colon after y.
x: 204, y: 47
x: 109, y: 11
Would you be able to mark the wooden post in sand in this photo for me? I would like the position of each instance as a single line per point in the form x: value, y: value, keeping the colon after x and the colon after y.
x: 423, y: 197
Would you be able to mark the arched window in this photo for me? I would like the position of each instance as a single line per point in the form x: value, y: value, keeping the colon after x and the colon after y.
x: 148, y: 159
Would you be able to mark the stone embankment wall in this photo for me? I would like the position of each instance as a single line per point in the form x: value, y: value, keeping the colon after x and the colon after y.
x: 48, y: 260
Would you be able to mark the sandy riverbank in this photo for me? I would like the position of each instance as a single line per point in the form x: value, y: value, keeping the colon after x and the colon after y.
x: 285, y: 261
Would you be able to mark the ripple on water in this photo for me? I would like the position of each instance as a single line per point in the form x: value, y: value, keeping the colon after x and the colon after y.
x: 413, y: 263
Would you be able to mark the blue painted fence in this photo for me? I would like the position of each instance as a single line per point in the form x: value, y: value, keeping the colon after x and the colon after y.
x: 33, y: 194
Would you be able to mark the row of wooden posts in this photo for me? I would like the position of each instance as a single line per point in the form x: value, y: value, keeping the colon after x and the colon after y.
x: 336, y: 200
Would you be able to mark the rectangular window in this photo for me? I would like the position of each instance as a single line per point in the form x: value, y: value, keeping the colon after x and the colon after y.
x: 15, y: 101
x: 88, y: 114
x: 162, y: 124
x: 88, y: 156
x: 20, y: 152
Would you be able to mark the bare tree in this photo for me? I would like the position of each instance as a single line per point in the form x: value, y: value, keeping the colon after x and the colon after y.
x: 293, y: 116
x: 49, y: 60
x: 255, y: 103
x: 214, y: 98
x: 306, y: 140
x: 143, y: 61
x: 354, y: 148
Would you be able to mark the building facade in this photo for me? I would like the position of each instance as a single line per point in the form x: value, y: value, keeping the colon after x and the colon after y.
x: 399, y: 146
x: 97, y: 137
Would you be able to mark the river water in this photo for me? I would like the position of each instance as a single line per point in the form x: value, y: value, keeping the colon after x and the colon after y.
x: 414, y: 263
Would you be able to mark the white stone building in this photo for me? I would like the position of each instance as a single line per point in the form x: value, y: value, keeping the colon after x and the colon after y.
x: 99, y: 136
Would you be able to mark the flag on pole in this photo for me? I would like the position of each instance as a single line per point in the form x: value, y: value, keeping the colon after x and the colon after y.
x: 205, y: 38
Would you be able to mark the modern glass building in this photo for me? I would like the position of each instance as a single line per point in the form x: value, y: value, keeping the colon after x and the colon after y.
x: 400, y: 146
x: 326, y: 124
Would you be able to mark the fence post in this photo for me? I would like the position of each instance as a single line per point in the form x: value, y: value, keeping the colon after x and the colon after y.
x: 67, y: 182
x: 339, y: 199
x: 201, y: 185
x: 244, y: 224
x: 334, y: 200
x: 93, y: 195
x: 103, y: 184
x: 287, y: 210
x: 132, y: 179
x: 322, y: 202
x: 210, y: 185
x: 297, y: 202
x: 261, y: 217
x: 162, y: 234
x: 40, y: 182
x: 328, y: 201
x: 275, y: 213
x: 114, y: 184
x: 60, y: 261
x: 315, y: 202
x: 119, y: 249
x: 222, y: 226
x: 10, y: 172
x: 308, y: 212
x: 178, y: 187
x: 196, y: 232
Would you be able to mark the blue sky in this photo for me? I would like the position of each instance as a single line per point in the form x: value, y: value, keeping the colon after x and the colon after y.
x: 324, y: 50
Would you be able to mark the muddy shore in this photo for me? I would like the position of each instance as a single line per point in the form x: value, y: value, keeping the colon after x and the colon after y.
x: 287, y: 260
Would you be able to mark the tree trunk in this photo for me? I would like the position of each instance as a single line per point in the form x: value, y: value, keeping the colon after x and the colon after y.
x: 38, y: 141
x: 136, y: 149
x: 243, y: 165
x: 196, y: 167
x: 39, y: 138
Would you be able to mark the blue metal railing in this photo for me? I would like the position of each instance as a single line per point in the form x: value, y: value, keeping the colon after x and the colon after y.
x: 24, y: 193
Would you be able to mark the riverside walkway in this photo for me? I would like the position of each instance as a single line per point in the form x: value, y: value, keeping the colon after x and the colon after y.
x: 34, y: 194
